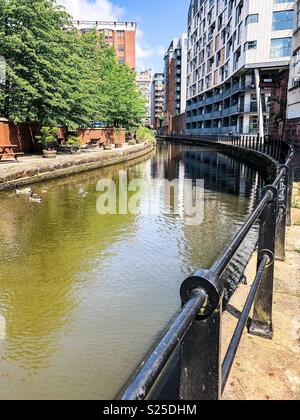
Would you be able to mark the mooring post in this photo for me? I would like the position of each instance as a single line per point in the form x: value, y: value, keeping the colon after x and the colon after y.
x: 261, y: 324
x: 201, y: 365
x: 282, y: 209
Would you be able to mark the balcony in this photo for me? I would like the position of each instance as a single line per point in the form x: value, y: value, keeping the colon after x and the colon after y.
x: 226, y: 112
x: 213, y: 115
x: 237, y: 87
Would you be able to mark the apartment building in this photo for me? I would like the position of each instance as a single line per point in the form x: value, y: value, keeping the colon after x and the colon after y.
x: 236, y: 48
x: 144, y: 82
x: 175, y: 80
x: 157, y: 100
x: 293, y: 110
x: 121, y: 35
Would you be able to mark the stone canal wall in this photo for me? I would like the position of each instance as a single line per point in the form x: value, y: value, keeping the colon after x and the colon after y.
x: 36, y: 169
x: 263, y: 163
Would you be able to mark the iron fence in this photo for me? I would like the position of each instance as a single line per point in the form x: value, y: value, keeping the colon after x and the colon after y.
x: 197, y: 328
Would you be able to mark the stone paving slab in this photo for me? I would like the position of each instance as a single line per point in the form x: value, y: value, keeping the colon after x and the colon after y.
x: 34, y: 168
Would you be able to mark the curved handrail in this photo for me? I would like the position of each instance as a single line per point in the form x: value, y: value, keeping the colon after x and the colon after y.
x: 202, y: 375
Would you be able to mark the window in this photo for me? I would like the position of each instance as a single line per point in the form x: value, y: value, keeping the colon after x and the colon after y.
x: 108, y: 33
x: 295, y: 69
x: 283, y: 20
x: 251, y: 45
x: 252, y: 19
x: 281, y: 47
x: 282, y: 1
x: 121, y: 34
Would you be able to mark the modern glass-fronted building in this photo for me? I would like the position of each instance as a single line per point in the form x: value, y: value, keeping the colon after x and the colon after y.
x: 236, y: 48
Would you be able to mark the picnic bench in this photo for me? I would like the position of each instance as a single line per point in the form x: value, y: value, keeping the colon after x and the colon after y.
x: 9, y: 151
x: 94, y: 143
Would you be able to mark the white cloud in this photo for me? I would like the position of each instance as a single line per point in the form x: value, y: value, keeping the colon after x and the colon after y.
x: 143, y: 50
x: 97, y: 10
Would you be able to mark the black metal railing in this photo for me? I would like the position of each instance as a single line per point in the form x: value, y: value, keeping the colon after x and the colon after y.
x: 197, y: 328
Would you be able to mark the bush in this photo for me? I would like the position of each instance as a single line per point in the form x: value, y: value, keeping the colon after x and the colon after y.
x: 48, y: 138
x: 145, y: 135
x: 73, y: 141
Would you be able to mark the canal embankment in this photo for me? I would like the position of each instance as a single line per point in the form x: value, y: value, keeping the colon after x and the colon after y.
x: 267, y: 369
x: 34, y: 168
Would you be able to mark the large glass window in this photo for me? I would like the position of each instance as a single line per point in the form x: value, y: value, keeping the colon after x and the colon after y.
x: 252, y: 19
x: 283, y: 20
x: 281, y: 47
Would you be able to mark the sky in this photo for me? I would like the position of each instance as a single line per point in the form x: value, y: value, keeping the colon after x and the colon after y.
x: 159, y: 21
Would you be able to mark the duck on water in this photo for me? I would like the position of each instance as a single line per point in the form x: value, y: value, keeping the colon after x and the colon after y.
x: 24, y: 191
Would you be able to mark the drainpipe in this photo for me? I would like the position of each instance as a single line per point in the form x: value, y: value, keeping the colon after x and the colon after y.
x: 259, y: 104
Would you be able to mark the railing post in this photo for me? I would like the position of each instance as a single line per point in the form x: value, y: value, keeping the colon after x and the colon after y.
x: 200, y: 374
x: 282, y: 207
x: 261, y: 324
x: 290, y: 194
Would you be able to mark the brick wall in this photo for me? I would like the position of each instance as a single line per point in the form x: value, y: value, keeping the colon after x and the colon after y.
x: 101, y: 134
x: 178, y: 124
x: 22, y: 135
x: 292, y: 131
x: 278, y: 106
x: 174, y: 125
x: 130, y: 52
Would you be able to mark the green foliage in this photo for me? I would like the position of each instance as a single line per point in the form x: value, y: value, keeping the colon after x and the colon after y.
x: 124, y: 103
x: 145, y: 135
x: 56, y: 77
x: 48, y: 137
x: 297, y: 250
x: 73, y: 141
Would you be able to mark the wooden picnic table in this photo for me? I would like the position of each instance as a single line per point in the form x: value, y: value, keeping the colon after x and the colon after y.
x: 8, y: 150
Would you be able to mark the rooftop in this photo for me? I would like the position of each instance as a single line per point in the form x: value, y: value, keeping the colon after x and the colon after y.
x: 99, y: 24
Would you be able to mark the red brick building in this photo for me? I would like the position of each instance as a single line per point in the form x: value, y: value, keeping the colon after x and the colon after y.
x: 175, y: 85
x: 121, y: 35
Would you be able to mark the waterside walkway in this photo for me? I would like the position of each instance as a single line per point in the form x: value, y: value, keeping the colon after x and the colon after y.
x: 34, y: 168
x: 270, y: 370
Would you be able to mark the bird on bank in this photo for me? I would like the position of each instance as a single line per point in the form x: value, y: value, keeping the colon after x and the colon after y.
x: 34, y: 198
x: 24, y: 191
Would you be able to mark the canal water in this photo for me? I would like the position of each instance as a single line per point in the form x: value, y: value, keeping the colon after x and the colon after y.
x: 84, y: 296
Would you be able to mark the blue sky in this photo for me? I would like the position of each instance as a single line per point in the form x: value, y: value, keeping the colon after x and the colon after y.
x: 159, y: 21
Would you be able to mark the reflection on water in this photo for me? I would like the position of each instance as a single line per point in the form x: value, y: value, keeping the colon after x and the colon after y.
x: 84, y: 296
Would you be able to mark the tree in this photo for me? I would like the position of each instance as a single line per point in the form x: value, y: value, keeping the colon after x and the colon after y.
x: 126, y: 105
x: 56, y: 76
x: 45, y: 78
